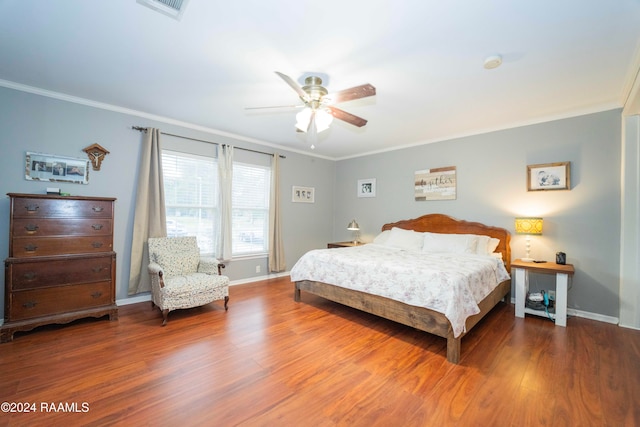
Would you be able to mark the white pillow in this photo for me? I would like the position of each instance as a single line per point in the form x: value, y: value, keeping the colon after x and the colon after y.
x: 486, y: 245
x: 381, y: 239
x: 493, y: 244
x: 405, y: 239
x: 452, y: 243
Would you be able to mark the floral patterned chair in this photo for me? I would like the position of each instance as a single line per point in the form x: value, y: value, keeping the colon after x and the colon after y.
x: 180, y: 278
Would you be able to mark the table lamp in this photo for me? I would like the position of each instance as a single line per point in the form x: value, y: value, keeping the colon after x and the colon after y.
x: 353, y: 226
x: 529, y: 227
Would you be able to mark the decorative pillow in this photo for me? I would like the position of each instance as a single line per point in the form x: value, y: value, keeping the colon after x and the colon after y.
x: 405, y: 239
x: 486, y: 245
x: 381, y: 239
x: 493, y: 244
x: 178, y: 264
x: 452, y: 243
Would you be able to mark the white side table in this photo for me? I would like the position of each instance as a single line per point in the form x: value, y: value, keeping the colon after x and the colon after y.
x: 521, y: 271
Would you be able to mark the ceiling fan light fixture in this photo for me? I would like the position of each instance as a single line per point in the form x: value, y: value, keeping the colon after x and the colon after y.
x: 303, y: 118
x: 322, y: 119
x: 319, y: 109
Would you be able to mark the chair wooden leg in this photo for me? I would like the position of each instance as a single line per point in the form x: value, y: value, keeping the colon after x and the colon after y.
x: 226, y: 302
x: 165, y: 317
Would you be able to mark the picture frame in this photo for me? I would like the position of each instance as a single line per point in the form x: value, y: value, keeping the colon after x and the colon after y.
x: 303, y: 194
x: 549, y: 176
x: 54, y: 168
x: 366, y: 187
x: 435, y: 184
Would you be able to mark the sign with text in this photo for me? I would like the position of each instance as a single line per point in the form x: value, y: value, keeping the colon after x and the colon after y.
x: 435, y: 184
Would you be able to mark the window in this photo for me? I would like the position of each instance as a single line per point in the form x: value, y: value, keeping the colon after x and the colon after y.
x: 191, y: 197
x: 250, y: 208
x: 192, y: 202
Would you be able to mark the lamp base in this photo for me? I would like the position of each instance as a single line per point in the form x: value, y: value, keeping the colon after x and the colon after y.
x: 527, y: 259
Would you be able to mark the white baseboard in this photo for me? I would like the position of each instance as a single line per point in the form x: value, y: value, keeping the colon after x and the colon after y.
x: 134, y: 299
x: 258, y: 278
x: 147, y: 296
x: 593, y: 316
x: 634, y: 327
x: 587, y: 315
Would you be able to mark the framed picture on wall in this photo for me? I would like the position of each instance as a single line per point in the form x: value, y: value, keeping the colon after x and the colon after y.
x: 367, y: 187
x: 303, y: 194
x: 549, y: 176
x: 50, y: 167
x: 435, y: 184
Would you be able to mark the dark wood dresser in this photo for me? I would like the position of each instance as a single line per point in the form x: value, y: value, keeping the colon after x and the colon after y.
x: 61, y: 264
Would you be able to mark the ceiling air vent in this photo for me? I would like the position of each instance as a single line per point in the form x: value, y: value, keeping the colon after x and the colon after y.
x: 172, y: 8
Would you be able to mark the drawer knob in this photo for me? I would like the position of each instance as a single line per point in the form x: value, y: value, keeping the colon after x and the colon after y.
x: 98, y: 208
x: 29, y: 304
x: 97, y: 244
x: 30, y: 275
x: 32, y: 208
x: 30, y: 247
x: 97, y: 294
x: 97, y: 269
x: 31, y: 227
x: 97, y: 226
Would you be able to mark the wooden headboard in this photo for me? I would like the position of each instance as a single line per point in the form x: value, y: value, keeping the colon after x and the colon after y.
x: 439, y: 223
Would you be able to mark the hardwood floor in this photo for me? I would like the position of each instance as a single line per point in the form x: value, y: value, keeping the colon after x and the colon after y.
x: 269, y: 361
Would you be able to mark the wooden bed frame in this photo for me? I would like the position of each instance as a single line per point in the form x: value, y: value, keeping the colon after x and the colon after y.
x: 422, y: 318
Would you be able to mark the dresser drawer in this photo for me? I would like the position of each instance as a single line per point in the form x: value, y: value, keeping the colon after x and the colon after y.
x: 57, y: 300
x: 26, y: 227
x: 46, y: 273
x: 45, y: 246
x: 61, y: 208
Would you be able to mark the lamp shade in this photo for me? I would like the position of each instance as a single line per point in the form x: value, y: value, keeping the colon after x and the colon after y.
x: 353, y: 225
x: 321, y: 118
x: 529, y: 226
x: 303, y: 118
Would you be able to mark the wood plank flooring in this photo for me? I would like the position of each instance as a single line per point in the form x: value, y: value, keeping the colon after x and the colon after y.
x: 270, y: 361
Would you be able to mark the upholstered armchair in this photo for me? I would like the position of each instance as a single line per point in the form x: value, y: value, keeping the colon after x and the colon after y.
x: 180, y: 278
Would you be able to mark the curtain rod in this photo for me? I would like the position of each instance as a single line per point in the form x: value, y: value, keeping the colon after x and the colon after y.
x: 141, y: 129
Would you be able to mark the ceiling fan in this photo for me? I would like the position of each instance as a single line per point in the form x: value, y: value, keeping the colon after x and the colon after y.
x: 318, y: 104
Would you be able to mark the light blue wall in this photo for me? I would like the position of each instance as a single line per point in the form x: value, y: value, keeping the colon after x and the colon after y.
x: 491, y: 172
x: 30, y: 122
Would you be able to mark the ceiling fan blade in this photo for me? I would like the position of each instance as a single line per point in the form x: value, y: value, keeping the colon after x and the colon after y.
x: 351, y: 94
x: 274, y: 107
x: 301, y: 93
x: 347, y: 117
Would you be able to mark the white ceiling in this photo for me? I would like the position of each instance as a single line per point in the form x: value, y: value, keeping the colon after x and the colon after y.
x: 425, y: 58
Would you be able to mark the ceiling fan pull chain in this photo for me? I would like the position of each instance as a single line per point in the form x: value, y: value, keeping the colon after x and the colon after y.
x: 313, y: 131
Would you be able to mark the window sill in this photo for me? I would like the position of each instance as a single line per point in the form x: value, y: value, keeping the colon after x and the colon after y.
x: 249, y: 256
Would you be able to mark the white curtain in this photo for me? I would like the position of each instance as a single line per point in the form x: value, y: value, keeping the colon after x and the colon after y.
x: 277, y: 261
x: 225, y: 176
x: 150, y: 217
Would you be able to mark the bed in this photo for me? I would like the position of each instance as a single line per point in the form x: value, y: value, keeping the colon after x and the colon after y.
x: 431, y: 320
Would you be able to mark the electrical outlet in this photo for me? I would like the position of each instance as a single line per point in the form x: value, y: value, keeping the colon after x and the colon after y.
x: 552, y: 295
x: 257, y: 269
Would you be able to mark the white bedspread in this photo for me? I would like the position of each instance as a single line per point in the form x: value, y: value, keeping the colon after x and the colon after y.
x: 448, y: 283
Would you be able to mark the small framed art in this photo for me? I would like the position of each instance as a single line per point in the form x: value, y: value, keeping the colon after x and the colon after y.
x: 367, y: 187
x: 549, y: 176
x: 303, y: 194
x: 50, y: 167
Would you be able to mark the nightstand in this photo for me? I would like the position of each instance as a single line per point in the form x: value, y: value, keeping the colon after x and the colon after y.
x: 343, y: 244
x: 521, y: 271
